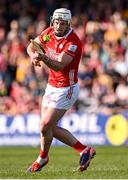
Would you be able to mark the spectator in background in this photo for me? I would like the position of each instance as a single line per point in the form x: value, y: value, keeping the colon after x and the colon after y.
x: 14, y: 30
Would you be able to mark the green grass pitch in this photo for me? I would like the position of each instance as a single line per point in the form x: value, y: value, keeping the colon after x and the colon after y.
x: 109, y: 163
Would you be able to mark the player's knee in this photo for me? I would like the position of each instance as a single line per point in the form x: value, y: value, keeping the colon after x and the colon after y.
x: 45, y: 128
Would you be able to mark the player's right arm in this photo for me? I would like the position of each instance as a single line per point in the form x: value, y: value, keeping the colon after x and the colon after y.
x: 32, y: 52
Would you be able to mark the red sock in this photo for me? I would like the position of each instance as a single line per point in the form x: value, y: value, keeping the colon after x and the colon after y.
x: 43, y: 154
x: 79, y: 147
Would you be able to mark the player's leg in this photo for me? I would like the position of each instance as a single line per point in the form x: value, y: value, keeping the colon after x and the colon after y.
x: 67, y: 138
x: 86, y: 153
x: 49, y: 119
x: 62, y: 100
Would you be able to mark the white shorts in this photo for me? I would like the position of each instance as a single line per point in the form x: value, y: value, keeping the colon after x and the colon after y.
x: 60, y: 98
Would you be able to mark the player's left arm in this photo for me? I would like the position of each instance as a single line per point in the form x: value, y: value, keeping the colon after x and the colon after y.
x: 62, y: 61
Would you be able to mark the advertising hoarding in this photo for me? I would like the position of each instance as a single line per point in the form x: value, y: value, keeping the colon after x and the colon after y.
x: 92, y: 129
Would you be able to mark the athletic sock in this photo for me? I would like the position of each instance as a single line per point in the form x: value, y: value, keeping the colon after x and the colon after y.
x: 79, y: 147
x: 43, y: 154
x: 42, y: 157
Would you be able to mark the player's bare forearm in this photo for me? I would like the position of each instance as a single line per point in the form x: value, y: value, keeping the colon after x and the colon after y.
x: 53, y: 64
x: 37, y: 54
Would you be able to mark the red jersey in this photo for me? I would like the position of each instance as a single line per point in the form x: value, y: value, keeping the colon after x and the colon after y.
x: 70, y: 44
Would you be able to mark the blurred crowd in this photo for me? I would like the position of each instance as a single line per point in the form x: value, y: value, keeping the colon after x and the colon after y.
x: 103, y: 72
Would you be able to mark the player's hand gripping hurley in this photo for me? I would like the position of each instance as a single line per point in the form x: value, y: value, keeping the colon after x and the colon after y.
x: 37, y: 47
x: 39, y: 52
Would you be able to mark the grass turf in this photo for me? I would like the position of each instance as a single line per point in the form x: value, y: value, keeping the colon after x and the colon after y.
x: 109, y: 163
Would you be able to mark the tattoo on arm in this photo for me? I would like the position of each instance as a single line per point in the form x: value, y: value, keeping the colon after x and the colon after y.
x: 53, y: 64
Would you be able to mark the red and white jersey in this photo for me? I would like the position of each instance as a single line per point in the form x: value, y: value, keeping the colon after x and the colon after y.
x: 69, y: 44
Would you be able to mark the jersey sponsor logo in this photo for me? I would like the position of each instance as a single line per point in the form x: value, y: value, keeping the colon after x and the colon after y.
x: 72, y: 48
x: 53, y: 54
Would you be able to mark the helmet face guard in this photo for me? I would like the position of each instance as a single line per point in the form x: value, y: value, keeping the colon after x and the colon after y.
x: 62, y: 14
